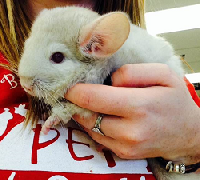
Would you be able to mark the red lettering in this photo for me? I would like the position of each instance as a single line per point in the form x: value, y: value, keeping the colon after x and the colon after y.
x: 70, y: 143
x: 36, y: 145
x: 17, y: 119
x: 109, y: 158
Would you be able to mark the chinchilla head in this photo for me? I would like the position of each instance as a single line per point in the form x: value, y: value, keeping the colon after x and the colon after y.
x: 70, y: 45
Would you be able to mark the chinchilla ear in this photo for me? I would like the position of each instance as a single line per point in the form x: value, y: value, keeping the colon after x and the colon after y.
x: 104, y: 36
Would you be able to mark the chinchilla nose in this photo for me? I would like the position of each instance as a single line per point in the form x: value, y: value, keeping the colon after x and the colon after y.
x: 27, y: 88
x: 27, y: 84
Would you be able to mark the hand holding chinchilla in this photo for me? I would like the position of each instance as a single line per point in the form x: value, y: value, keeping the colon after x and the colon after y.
x: 75, y: 45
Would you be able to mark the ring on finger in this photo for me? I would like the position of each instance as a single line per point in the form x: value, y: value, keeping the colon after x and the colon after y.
x: 97, y: 126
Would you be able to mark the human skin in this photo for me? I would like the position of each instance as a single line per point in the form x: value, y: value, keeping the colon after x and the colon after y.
x: 36, y: 6
x: 149, y: 111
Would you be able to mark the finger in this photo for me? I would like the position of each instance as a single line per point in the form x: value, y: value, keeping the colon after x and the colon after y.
x: 120, y: 148
x: 101, y: 98
x: 125, y: 149
x: 114, y: 127
x: 118, y: 101
x: 143, y: 75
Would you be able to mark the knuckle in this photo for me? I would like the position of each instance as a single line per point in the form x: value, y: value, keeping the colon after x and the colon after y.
x: 167, y: 72
x: 134, y: 133
x: 122, y: 153
x: 122, y: 156
x: 123, y: 73
x: 169, y: 75
x: 126, y: 153
x: 135, y: 136
x: 124, y: 68
x: 129, y: 136
x: 140, y: 109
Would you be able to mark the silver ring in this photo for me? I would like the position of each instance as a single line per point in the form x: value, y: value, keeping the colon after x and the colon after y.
x: 97, y: 125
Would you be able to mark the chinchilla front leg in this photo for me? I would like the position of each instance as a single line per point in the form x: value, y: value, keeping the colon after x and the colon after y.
x: 62, y: 113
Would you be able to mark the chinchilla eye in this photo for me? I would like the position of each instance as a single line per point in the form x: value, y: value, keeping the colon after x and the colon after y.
x: 57, y: 57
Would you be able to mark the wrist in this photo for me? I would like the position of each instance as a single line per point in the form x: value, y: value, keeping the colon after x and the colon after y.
x: 188, y: 152
x: 180, y: 168
x: 193, y: 152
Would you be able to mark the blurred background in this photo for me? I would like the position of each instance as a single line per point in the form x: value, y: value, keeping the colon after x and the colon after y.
x: 178, y: 21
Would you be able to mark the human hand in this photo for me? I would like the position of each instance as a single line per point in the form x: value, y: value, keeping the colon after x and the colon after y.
x: 149, y: 113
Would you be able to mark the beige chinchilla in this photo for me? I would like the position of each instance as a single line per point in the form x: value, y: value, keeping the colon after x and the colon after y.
x: 76, y: 45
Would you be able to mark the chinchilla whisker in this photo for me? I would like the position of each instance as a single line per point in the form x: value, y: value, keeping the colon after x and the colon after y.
x: 45, y: 92
x: 55, y: 100
x: 46, y: 96
x: 54, y: 91
x: 46, y: 87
